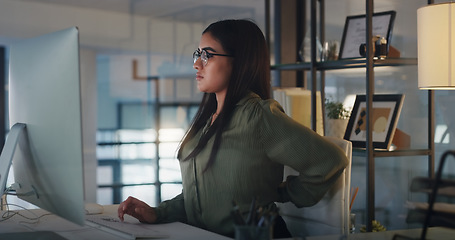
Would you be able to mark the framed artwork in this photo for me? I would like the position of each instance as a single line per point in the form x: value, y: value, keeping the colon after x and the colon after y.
x: 355, y: 30
x: 385, y: 115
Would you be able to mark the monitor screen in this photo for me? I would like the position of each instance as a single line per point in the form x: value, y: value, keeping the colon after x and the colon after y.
x: 45, y: 140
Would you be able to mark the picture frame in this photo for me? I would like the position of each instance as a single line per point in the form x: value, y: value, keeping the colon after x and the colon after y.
x: 385, y: 114
x: 355, y: 30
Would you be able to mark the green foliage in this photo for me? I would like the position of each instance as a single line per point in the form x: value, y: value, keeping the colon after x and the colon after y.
x: 377, y: 227
x: 336, y: 110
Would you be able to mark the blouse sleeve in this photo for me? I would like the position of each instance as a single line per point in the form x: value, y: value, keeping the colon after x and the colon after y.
x: 172, y: 210
x: 318, y: 161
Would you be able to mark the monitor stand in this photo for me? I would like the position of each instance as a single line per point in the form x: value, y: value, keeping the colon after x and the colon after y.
x: 16, y: 137
x: 6, y: 157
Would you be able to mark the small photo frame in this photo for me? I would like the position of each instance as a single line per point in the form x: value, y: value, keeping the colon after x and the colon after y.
x: 385, y: 115
x: 355, y: 30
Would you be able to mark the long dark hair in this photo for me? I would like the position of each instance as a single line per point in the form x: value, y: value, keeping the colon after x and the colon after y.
x: 250, y: 72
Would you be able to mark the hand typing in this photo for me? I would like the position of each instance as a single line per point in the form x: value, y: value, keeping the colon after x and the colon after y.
x: 138, y: 209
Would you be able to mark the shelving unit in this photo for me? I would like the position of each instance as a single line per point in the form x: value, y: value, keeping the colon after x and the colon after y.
x: 345, y: 63
x: 369, y: 64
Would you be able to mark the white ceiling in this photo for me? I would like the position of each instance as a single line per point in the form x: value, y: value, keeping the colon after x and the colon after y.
x: 207, y: 10
x: 188, y: 10
x: 110, y: 22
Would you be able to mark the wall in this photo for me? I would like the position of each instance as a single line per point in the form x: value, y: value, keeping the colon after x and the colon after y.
x: 102, y: 30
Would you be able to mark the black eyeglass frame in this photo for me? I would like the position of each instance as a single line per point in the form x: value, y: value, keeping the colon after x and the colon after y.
x: 198, y: 54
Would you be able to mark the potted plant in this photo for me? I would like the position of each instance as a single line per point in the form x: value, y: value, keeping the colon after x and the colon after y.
x: 337, y: 118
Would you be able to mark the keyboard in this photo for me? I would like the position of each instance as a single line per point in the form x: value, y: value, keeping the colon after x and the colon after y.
x: 125, y: 230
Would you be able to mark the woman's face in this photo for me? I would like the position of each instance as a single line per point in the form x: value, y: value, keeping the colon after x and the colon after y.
x: 214, y: 76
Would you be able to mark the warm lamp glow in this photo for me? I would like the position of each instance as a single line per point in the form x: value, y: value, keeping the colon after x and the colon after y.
x: 436, y: 46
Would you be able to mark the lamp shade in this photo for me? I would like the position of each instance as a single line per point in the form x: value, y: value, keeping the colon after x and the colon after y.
x: 436, y: 46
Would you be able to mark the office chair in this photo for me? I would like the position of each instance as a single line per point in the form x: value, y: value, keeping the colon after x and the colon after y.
x: 331, y: 214
x: 435, y: 212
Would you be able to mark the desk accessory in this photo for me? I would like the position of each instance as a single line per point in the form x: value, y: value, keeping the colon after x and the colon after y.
x: 259, y: 223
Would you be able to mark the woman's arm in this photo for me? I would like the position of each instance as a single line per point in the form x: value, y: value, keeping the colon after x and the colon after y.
x: 318, y: 161
x: 172, y: 210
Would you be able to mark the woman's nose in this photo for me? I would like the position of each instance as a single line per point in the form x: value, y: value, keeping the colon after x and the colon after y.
x: 198, y: 63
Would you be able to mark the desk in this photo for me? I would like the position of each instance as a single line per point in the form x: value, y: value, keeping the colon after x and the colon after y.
x: 71, y: 231
x: 436, y: 233
x: 176, y: 231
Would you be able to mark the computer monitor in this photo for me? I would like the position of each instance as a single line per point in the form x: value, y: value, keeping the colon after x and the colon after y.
x: 45, y: 140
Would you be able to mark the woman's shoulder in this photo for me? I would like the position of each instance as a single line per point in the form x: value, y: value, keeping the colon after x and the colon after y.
x: 258, y: 107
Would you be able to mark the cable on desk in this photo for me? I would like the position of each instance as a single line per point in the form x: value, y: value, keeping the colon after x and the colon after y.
x: 9, y: 213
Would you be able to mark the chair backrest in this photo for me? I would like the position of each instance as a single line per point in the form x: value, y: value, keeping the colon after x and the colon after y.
x: 331, y: 214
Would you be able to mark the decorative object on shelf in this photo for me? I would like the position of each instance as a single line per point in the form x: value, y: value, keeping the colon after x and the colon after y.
x: 305, y: 49
x: 379, y: 47
x: 377, y: 227
x: 401, y: 140
x: 336, y: 110
x: 354, y: 32
x: 296, y: 103
x: 385, y: 114
x: 393, y: 52
x: 330, y: 51
x: 337, y: 119
x: 436, y: 46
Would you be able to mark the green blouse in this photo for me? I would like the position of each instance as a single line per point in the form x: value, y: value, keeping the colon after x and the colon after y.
x: 259, y: 140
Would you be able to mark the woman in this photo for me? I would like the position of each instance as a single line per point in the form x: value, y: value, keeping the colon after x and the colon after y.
x: 239, y: 141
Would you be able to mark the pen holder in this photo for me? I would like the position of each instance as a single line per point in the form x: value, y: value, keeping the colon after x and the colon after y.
x: 352, y: 223
x: 251, y: 232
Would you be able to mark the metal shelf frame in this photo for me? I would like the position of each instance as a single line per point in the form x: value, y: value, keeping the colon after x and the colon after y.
x: 369, y: 63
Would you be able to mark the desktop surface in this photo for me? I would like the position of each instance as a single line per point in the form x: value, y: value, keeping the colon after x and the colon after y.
x: 71, y: 231
x: 175, y: 231
x: 42, y: 235
x: 435, y: 233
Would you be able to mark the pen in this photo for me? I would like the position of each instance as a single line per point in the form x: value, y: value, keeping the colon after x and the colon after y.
x: 238, y: 219
x: 252, y: 214
x: 261, y: 221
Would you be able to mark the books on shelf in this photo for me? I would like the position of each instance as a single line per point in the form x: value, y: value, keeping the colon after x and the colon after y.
x: 296, y: 103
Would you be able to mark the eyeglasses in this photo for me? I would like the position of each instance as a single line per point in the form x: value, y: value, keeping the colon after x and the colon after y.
x: 206, y: 55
